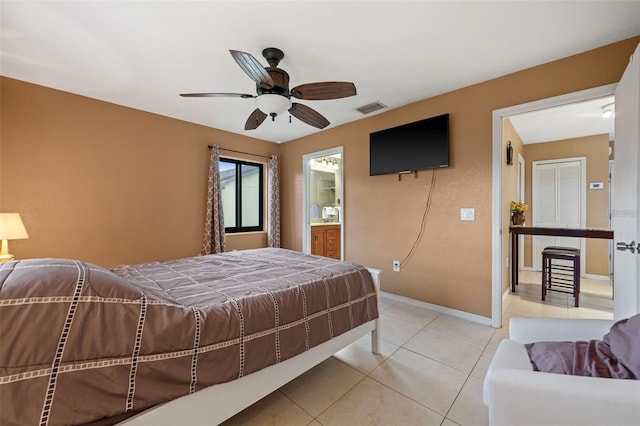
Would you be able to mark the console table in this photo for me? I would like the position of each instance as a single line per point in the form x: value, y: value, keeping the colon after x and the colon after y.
x: 557, y: 232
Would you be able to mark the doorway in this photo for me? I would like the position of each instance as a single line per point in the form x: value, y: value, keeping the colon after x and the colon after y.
x: 323, y: 203
x: 499, y: 251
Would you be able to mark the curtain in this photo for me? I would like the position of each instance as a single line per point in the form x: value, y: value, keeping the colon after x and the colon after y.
x: 214, y: 238
x: 273, y: 201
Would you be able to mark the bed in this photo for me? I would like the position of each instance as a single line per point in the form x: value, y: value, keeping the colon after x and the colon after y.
x: 186, y: 341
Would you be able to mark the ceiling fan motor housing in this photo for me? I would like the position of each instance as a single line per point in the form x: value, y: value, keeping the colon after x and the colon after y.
x: 280, y: 78
x: 280, y: 82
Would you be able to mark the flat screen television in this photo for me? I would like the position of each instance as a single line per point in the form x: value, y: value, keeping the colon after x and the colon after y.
x: 415, y: 146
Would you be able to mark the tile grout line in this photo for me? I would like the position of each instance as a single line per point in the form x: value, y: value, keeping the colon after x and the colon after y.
x: 469, y: 375
x: 364, y: 376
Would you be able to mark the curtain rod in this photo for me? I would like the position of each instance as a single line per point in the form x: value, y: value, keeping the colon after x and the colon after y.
x: 241, y: 152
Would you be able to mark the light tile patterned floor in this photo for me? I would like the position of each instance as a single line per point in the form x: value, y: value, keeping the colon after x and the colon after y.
x: 430, y: 371
x: 595, y: 300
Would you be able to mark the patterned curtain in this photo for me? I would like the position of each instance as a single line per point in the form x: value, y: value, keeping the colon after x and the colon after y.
x: 273, y: 216
x: 214, y: 237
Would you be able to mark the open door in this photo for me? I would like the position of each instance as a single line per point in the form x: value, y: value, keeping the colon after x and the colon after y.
x: 625, y: 213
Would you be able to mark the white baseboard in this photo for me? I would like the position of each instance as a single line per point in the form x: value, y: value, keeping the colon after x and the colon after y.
x: 506, y: 293
x: 591, y: 276
x: 597, y: 277
x: 442, y: 309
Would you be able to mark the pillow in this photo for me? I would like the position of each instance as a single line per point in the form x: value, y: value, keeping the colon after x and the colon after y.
x: 624, y: 341
x: 50, y: 277
x: 617, y: 355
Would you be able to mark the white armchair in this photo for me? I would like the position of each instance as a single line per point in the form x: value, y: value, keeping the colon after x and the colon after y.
x: 517, y: 395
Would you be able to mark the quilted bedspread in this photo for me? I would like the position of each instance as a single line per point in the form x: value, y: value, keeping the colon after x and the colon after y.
x: 80, y: 343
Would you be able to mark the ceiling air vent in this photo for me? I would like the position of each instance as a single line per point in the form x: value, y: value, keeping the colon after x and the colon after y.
x: 373, y: 106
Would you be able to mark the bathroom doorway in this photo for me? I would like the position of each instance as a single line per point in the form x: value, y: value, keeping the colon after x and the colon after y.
x: 323, y: 203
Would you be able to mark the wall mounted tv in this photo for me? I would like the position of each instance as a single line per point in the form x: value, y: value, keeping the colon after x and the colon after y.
x: 410, y: 147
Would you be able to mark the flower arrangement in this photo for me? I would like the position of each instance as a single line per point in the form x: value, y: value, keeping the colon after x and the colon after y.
x: 517, y: 212
x: 518, y: 207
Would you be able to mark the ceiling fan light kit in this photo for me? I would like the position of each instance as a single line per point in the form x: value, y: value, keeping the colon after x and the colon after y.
x: 273, y: 94
x: 273, y: 104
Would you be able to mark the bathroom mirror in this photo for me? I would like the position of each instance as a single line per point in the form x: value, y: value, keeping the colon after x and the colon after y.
x: 324, y: 184
x: 325, y: 191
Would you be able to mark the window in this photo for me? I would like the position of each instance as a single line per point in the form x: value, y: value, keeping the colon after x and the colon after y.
x: 242, y: 195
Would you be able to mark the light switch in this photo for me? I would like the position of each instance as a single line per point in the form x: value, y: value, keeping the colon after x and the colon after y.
x: 467, y: 214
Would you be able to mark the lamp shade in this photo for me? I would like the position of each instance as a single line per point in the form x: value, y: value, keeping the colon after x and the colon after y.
x: 270, y: 103
x: 11, y: 227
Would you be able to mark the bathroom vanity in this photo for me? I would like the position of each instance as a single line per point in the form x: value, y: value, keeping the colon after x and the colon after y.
x: 325, y: 240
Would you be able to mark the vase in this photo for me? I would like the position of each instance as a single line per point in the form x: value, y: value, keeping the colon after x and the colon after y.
x: 517, y: 219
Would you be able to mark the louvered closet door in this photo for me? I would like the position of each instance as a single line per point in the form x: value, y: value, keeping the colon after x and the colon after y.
x: 557, y: 202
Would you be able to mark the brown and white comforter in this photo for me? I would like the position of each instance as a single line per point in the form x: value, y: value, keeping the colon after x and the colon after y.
x: 79, y: 343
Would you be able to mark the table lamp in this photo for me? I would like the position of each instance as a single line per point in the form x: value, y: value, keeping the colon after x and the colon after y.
x: 11, y: 228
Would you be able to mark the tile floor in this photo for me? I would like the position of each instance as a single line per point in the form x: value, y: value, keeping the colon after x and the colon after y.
x: 595, y: 300
x: 430, y: 371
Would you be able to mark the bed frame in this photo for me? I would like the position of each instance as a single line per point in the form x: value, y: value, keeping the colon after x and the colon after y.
x: 215, y: 404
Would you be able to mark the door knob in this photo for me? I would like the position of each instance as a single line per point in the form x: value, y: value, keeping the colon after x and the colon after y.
x: 622, y: 246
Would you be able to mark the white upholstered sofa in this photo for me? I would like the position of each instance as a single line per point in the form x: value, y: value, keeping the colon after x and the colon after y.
x: 517, y: 395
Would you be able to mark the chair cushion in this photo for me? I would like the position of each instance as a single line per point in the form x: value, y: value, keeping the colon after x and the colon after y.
x: 617, y: 355
x: 560, y: 248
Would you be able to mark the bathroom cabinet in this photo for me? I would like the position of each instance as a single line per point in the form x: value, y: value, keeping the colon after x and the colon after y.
x: 325, y: 240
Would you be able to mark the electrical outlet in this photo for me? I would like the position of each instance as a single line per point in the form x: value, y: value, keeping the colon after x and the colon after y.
x: 396, y: 266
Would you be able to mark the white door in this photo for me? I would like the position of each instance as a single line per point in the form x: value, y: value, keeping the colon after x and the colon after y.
x: 558, y: 202
x: 625, y: 214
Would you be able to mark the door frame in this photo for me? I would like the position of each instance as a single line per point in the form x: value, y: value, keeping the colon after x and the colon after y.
x: 306, y: 216
x: 522, y: 173
x: 496, y: 210
x: 612, y: 166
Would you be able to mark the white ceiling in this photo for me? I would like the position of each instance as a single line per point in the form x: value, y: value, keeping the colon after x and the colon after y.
x: 142, y: 54
x: 566, y: 121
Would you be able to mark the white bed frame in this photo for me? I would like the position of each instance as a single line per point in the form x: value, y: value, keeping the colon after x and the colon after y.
x: 217, y: 403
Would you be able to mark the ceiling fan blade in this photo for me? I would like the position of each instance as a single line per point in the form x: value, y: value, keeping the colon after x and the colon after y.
x: 255, y: 119
x: 216, y: 95
x: 253, y: 68
x: 324, y: 90
x: 308, y: 115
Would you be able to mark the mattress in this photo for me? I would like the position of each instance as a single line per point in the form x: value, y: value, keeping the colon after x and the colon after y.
x: 80, y: 343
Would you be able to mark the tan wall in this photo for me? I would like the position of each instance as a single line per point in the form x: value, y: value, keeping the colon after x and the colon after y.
x: 113, y: 185
x: 105, y: 183
x: 452, y: 265
x: 596, y: 150
x: 509, y: 191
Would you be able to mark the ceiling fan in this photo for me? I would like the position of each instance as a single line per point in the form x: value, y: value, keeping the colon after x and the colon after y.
x: 273, y: 94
